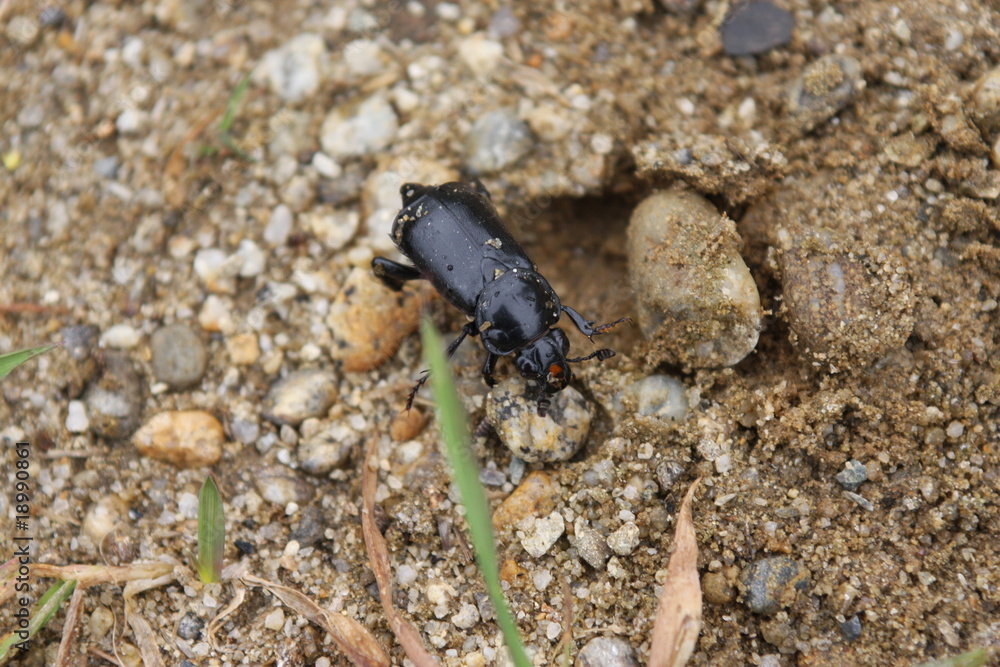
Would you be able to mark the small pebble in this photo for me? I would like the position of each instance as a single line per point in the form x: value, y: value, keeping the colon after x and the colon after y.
x: 755, y: 27
x: 853, y: 475
x: 541, y: 534
x: 851, y: 628
x: 275, y: 619
x: 106, y: 167
x: 844, y: 308
x: 482, y: 55
x: 301, y: 395
x: 364, y: 129
x: 497, y: 140
x: 369, y: 320
x: 186, y: 438
x: 333, y: 228
x: 860, y: 500
x: 504, y: 23
x: 102, y: 517
x: 327, y: 450
x: 697, y: 303
x: 179, y: 356
x: 254, y: 260
x: 120, y: 337
x: 279, y: 226
x: 114, y: 402
x: 76, y: 417
x: 660, y: 396
x: 512, y: 409
x: 606, y: 652
x: 825, y: 87
x: 770, y: 584
x: 293, y: 70
x: 190, y: 626
x: 535, y: 496
x: 406, y: 575
x: 281, y: 486
x: 100, y: 623
x: 466, y: 617
x: 590, y: 544
x: 407, y: 424
x: 667, y: 474
x: 217, y: 270
x: 984, y: 103
x: 624, y: 540
x: 243, y: 349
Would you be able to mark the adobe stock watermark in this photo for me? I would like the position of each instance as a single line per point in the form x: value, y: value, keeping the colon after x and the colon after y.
x: 22, y: 538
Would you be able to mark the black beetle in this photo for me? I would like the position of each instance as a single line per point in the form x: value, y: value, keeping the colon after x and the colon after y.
x: 456, y: 240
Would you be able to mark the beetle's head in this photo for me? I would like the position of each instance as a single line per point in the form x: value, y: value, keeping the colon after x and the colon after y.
x: 544, y: 360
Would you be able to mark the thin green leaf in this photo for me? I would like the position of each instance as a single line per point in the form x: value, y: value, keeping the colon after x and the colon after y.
x: 976, y: 658
x: 12, y: 360
x: 211, y: 532
x: 48, y: 605
x: 455, y: 430
x: 233, y: 106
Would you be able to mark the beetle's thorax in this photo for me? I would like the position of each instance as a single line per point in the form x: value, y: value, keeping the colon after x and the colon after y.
x: 516, y: 308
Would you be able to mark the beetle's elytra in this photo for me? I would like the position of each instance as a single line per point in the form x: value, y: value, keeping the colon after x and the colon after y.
x: 456, y: 240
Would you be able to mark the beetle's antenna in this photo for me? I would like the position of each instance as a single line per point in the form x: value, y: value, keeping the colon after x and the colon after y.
x: 602, y: 354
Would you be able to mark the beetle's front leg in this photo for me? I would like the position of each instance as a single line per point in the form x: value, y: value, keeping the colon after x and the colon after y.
x: 393, y: 274
x: 468, y: 330
x: 488, y: 367
x: 587, y: 327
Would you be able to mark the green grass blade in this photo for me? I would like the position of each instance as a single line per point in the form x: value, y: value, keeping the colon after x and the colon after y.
x: 233, y: 106
x: 455, y: 429
x: 12, y: 360
x: 50, y: 603
x: 211, y: 532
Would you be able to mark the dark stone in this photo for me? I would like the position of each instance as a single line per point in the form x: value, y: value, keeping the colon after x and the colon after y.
x: 853, y: 475
x: 754, y: 27
x: 179, y: 356
x: 770, y: 584
x: 851, y: 628
x: 190, y: 626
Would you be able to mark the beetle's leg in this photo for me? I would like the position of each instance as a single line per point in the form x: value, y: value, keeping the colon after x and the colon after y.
x: 394, y: 274
x: 587, y: 327
x: 488, y: 366
x: 468, y: 330
x: 411, y: 192
x: 602, y: 354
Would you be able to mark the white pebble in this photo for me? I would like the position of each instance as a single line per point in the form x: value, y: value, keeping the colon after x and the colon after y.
x: 120, y: 337
x: 275, y: 620
x: 253, y: 259
x: 326, y: 166
x: 405, y: 575
x: 955, y: 429
x: 279, y: 226
x: 76, y: 418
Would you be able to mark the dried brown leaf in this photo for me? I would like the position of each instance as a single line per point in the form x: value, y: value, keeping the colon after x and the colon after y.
x: 213, y: 626
x: 350, y: 636
x: 73, y: 612
x: 378, y: 556
x: 92, y: 575
x: 678, y: 614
